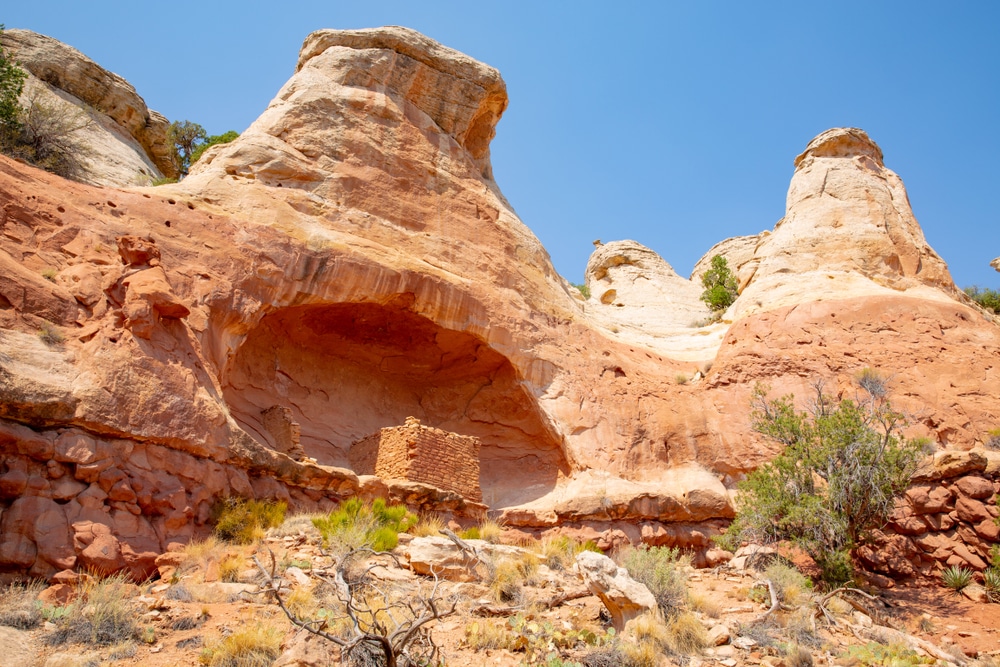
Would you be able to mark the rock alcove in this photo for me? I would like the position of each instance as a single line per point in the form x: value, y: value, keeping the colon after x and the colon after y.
x: 346, y: 370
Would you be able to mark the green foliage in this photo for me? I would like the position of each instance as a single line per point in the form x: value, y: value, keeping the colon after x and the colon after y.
x: 11, y: 84
x: 212, y: 140
x: 985, y: 297
x: 993, y: 438
x: 354, y: 525
x: 470, y: 533
x: 244, y: 521
x: 956, y: 578
x: 190, y: 140
x: 720, y: 285
x: 660, y: 569
x: 991, y: 582
x: 874, y: 654
x: 843, y: 467
x: 584, y: 290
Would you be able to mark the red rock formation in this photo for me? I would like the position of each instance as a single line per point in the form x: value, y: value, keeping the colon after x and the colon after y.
x: 350, y: 258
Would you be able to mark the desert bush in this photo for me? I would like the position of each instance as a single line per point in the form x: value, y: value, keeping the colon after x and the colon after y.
x: 190, y: 140
x: 875, y: 654
x: 49, y: 137
x: 19, y: 605
x: 559, y: 552
x: 488, y: 635
x: 251, y: 646
x: 11, y: 84
x: 470, y: 533
x: 490, y: 530
x: 354, y: 525
x: 49, y: 334
x: 708, y: 605
x: 244, y: 521
x: 956, y: 578
x: 993, y: 438
x: 103, y: 614
x: 661, y: 570
x: 720, y: 285
x: 985, y: 297
x: 789, y: 583
x: 843, y: 467
x: 583, y: 289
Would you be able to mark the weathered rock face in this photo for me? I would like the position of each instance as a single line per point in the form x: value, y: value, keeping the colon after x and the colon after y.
x: 636, y: 296
x: 126, y: 142
x: 848, y: 232
x: 348, y: 262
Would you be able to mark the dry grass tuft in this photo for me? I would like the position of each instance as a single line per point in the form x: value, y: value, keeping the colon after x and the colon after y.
x: 510, y: 575
x: 708, y: 605
x: 685, y: 634
x: 429, y: 525
x: 488, y: 634
x: 253, y: 646
x: 103, y: 614
x: 19, y: 606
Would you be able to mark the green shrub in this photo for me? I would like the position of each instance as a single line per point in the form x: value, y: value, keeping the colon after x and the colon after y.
x: 985, y: 297
x: 354, y: 525
x: 660, y: 569
x: 838, y: 478
x: 583, y: 289
x: 874, y: 654
x: 720, y: 285
x: 244, y: 521
x: 50, y: 335
x: 956, y: 577
x: 213, y: 140
x: 11, y: 84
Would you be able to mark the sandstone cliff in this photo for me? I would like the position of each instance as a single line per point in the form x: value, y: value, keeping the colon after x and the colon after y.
x: 125, y: 142
x: 349, y: 262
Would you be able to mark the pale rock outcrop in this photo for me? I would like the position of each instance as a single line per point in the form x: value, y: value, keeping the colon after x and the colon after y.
x: 624, y: 597
x: 126, y: 141
x: 996, y: 263
x: 637, y: 296
x: 848, y: 231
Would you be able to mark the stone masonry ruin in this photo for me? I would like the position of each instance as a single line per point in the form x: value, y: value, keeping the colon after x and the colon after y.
x: 421, y: 454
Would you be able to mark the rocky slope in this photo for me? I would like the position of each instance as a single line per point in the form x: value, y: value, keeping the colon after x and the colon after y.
x: 350, y: 259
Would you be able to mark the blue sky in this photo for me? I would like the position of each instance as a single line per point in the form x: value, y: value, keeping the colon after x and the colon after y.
x: 673, y: 124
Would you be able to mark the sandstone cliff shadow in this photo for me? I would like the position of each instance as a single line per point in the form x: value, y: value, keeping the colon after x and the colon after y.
x: 346, y: 370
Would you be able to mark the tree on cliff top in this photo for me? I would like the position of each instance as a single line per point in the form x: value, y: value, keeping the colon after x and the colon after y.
x: 843, y: 467
x: 720, y: 285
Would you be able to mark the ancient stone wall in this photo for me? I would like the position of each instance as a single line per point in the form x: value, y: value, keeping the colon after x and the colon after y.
x: 286, y: 431
x: 948, y: 517
x: 422, y: 454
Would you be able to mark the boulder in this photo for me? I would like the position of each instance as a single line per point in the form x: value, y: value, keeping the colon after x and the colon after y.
x: 624, y: 597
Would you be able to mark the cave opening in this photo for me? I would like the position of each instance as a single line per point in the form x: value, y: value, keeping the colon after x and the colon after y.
x: 345, y: 370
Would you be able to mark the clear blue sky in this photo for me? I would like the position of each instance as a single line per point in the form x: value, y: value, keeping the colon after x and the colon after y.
x: 671, y: 123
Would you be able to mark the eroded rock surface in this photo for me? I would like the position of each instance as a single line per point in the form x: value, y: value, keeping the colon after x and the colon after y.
x: 350, y: 260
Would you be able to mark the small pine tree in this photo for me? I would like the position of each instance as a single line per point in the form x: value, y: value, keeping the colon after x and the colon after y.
x: 720, y: 285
